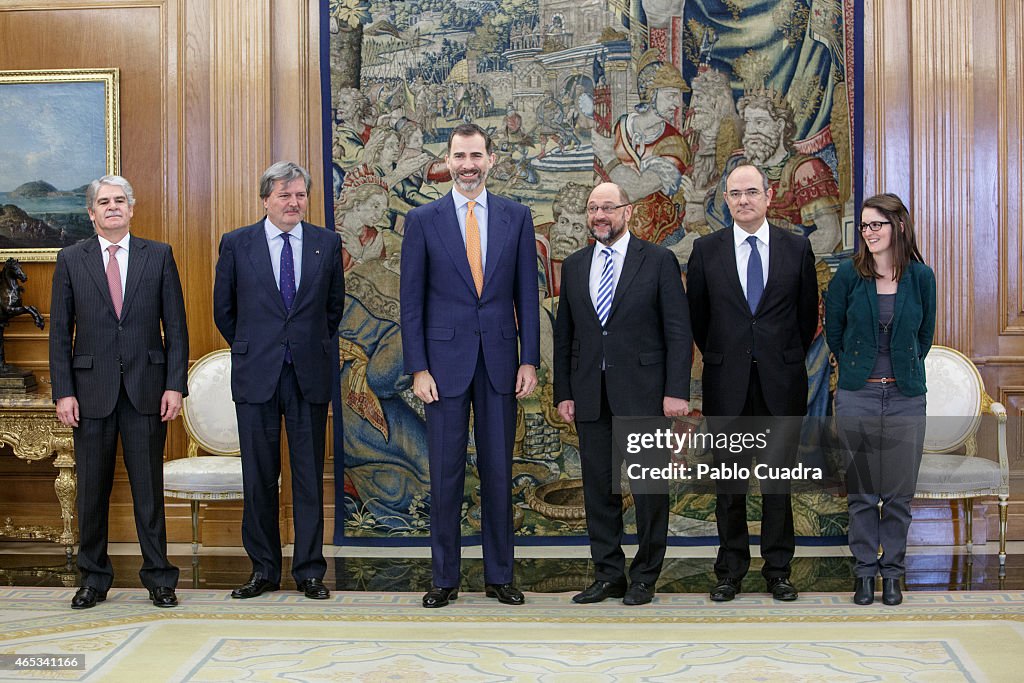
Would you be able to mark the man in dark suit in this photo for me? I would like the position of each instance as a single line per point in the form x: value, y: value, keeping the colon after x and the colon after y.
x: 622, y: 348
x: 471, y: 335
x: 754, y: 310
x: 277, y: 300
x: 114, y: 376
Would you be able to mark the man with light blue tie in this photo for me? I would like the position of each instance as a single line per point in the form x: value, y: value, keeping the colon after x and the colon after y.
x: 753, y: 299
x: 277, y: 300
x: 622, y: 349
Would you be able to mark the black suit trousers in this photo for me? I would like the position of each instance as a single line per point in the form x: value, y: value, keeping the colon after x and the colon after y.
x: 604, y: 508
x: 142, y: 443
x: 777, y: 535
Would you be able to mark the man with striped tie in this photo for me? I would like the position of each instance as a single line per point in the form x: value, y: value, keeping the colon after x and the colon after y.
x: 622, y: 348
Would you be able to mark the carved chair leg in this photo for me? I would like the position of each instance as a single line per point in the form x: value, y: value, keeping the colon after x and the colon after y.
x: 969, y: 523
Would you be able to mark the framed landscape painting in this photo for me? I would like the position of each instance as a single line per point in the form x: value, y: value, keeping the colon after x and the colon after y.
x: 59, y: 130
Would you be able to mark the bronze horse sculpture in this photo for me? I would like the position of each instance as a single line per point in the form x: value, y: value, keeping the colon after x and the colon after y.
x: 11, y: 305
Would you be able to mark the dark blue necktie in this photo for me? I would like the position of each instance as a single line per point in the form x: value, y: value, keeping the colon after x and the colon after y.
x: 287, y: 282
x: 755, y: 276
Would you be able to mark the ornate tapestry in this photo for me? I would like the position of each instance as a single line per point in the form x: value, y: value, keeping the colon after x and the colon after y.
x: 664, y: 97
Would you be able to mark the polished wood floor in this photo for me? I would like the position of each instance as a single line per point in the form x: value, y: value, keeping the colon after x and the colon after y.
x: 826, y: 569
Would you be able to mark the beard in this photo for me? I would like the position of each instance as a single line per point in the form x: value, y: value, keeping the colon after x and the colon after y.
x: 606, y: 231
x: 471, y: 185
x: 759, y: 148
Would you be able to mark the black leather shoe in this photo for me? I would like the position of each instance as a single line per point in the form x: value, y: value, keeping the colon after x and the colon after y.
x: 86, y: 597
x: 639, y: 593
x: 598, y: 591
x: 256, y: 585
x: 314, y: 589
x: 440, y: 597
x: 726, y: 590
x: 162, y: 596
x: 782, y: 589
x: 506, y: 593
x: 864, y: 590
x: 892, y: 594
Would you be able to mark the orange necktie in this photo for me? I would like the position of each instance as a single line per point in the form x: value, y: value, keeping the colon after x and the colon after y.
x: 473, y: 248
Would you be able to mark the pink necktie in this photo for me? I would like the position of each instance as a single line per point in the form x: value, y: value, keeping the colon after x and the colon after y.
x: 114, y: 280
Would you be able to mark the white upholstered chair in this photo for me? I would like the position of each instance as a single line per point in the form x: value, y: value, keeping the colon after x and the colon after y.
x: 956, y: 403
x: 209, y: 416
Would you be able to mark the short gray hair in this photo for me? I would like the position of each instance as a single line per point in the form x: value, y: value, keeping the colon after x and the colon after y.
x: 282, y: 170
x: 117, y: 181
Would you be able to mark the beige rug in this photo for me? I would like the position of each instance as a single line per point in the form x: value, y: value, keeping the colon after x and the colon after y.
x: 962, y: 636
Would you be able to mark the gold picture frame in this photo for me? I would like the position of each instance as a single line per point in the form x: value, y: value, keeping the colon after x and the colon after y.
x: 59, y: 130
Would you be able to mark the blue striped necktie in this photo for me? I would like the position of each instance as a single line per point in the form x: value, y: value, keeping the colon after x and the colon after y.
x: 606, y: 287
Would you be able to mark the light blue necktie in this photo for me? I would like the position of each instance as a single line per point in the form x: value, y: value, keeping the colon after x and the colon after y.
x: 755, y: 276
x: 606, y: 287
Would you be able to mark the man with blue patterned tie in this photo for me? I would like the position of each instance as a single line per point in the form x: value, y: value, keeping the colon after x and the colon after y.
x: 278, y: 297
x: 754, y: 307
x: 622, y: 348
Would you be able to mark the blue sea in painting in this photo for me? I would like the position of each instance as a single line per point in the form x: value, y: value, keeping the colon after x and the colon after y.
x: 37, y: 206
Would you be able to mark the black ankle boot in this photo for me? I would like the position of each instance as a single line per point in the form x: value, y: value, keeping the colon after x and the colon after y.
x: 864, y: 590
x: 892, y: 594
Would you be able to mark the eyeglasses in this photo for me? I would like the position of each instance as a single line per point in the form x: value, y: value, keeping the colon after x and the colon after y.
x: 606, y: 208
x: 749, y: 194
x: 874, y: 226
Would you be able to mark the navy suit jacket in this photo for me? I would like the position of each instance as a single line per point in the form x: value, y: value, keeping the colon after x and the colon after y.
x: 443, y: 319
x: 89, y: 346
x: 250, y: 314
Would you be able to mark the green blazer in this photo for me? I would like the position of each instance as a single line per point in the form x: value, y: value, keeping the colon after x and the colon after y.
x: 851, y: 326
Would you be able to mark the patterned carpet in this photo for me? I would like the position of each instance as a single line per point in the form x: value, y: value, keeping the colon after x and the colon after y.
x: 941, y: 636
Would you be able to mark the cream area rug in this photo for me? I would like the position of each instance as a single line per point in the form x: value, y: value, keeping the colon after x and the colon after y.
x: 823, y: 637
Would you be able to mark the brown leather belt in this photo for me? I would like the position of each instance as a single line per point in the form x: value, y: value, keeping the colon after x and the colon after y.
x: 882, y: 380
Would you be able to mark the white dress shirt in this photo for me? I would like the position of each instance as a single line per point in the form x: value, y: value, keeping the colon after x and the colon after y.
x: 276, y: 245
x: 740, y: 236
x: 121, y: 255
x: 597, y: 265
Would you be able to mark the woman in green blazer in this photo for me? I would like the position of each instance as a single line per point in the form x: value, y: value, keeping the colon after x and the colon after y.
x: 879, y: 322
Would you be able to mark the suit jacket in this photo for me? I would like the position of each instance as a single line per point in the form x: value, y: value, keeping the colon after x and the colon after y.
x: 777, y: 335
x: 89, y: 345
x: 443, y: 319
x: 645, y: 344
x: 250, y: 314
x: 851, y: 326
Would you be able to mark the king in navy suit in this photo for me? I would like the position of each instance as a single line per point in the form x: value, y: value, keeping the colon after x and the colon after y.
x: 278, y: 297
x: 471, y: 336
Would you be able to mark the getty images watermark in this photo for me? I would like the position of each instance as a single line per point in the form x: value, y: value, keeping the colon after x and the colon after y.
x: 725, y: 455
x: 732, y: 443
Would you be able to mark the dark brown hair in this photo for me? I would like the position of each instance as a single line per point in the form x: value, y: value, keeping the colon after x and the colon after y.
x: 904, y: 244
x: 468, y: 130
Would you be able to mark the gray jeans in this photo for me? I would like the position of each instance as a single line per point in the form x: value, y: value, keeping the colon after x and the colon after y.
x: 882, y: 433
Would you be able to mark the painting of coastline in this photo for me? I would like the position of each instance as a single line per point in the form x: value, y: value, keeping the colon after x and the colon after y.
x: 58, y: 132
